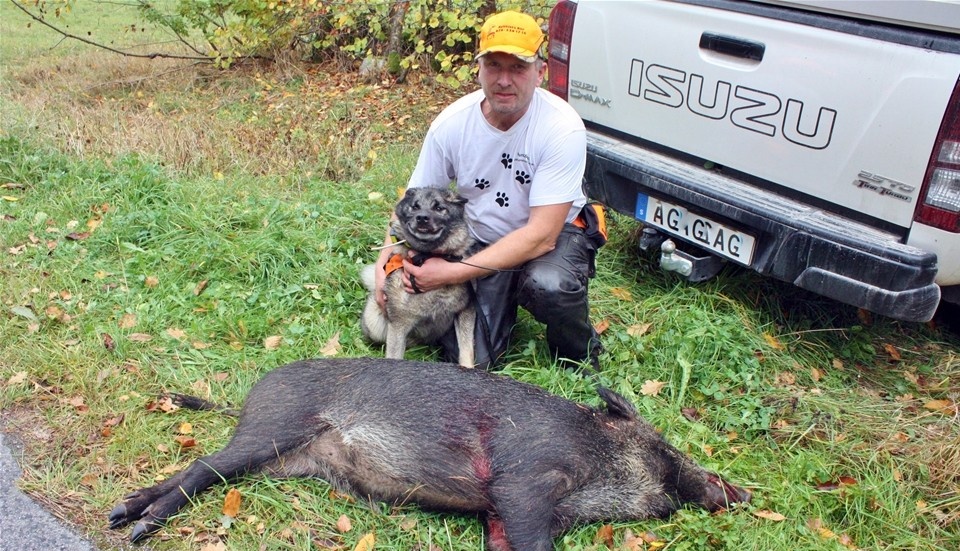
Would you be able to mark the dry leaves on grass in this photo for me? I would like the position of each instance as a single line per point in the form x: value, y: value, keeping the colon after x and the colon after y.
x: 332, y: 347
x: 273, y: 342
x: 652, y: 388
x: 769, y: 515
x: 231, y: 503
x: 366, y: 543
x: 343, y: 524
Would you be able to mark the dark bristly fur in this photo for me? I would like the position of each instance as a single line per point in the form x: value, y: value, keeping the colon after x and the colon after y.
x: 429, y: 221
x: 529, y: 463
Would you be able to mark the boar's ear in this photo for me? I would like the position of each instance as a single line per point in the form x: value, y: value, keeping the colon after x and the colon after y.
x: 617, y: 405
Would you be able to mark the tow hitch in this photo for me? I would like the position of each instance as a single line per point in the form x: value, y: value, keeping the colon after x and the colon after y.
x: 693, y: 268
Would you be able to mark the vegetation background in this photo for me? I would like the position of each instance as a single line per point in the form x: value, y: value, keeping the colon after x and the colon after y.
x: 171, y: 224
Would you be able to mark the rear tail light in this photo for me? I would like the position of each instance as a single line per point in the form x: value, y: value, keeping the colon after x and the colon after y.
x: 558, y: 60
x: 940, y: 205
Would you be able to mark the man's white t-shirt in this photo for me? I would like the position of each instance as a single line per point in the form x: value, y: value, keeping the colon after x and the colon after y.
x: 539, y: 161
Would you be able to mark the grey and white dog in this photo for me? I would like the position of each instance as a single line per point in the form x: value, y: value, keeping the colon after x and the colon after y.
x: 431, y: 223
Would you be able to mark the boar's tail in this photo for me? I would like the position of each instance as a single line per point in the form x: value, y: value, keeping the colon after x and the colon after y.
x: 199, y: 404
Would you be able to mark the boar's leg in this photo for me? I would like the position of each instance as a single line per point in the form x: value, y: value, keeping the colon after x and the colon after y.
x: 151, y: 507
x: 524, y: 504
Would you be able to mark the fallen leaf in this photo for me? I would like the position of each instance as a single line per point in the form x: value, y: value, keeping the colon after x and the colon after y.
x: 140, y: 337
x: 943, y: 406
x: 785, y: 378
x: 89, y: 480
x: 837, y: 483
x: 816, y: 374
x: 185, y: 428
x: 892, y: 352
x: 201, y: 388
x: 332, y: 347
x: 55, y: 313
x: 690, y: 413
x: 108, y: 341
x: 185, y: 441
x: 113, y: 421
x: 151, y: 281
x: 631, y: 542
x: 231, y: 503
x: 127, y: 321
x: 652, y: 388
x: 78, y: 404
x: 605, y: 535
x: 621, y: 293
x: 837, y: 363
x: 164, y: 404
x: 17, y: 378
x: 273, y: 342
x: 24, y: 312
x: 366, y: 543
x: 639, y: 330
x: 78, y: 236
x: 175, y: 333
x: 601, y: 326
x: 343, y: 524
x: 772, y: 341
x: 769, y: 515
x: 200, y: 287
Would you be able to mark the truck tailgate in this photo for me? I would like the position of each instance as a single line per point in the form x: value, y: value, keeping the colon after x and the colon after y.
x: 748, y: 93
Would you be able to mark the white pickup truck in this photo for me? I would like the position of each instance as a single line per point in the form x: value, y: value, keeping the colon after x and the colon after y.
x: 816, y: 142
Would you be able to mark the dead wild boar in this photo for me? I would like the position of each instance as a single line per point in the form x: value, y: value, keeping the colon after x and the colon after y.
x: 529, y: 463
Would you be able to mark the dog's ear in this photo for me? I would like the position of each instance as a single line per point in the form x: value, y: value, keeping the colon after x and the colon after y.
x: 455, y: 198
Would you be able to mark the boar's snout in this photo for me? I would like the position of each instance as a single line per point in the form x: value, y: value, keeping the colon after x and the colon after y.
x: 720, y: 494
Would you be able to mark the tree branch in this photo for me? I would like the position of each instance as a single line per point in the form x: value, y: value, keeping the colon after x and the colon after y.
x: 65, y: 34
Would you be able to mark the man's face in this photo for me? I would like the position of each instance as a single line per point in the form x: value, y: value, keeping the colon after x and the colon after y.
x: 508, y: 83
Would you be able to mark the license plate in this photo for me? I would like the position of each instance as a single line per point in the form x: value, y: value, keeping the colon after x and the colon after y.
x: 705, y: 233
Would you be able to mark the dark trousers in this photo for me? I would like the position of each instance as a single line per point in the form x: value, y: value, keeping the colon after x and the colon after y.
x: 552, y: 287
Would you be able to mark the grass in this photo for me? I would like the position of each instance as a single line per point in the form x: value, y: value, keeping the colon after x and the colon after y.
x: 163, y: 227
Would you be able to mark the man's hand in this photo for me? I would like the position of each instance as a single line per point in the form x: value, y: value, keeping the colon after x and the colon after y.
x: 432, y: 274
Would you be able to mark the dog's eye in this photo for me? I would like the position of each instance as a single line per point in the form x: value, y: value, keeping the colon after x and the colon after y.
x: 439, y: 207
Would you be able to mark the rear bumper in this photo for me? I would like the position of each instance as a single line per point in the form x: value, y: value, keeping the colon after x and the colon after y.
x: 816, y: 250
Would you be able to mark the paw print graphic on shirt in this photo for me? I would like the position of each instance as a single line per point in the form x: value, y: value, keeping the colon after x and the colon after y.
x: 522, y: 177
x: 481, y: 183
x: 502, y: 199
x: 506, y: 160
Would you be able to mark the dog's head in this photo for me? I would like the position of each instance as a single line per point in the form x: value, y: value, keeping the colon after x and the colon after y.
x: 428, y: 216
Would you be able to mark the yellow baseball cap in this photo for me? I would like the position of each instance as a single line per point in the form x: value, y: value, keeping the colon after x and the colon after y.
x: 511, y: 32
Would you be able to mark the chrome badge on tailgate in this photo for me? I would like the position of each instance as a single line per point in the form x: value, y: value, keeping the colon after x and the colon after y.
x: 723, y: 240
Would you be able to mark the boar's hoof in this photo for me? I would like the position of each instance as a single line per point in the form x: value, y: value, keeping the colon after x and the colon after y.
x: 143, y: 529
x: 118, y: 517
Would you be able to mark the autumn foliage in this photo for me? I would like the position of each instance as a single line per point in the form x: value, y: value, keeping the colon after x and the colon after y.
x: 393, y: 36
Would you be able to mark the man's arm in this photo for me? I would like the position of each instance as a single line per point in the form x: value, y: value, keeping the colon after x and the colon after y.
x: 536, y: 238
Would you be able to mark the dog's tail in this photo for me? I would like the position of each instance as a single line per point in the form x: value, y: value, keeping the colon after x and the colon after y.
x: 373, y: 322
x: 368, y: 276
